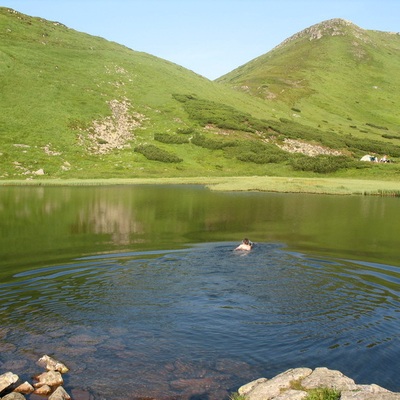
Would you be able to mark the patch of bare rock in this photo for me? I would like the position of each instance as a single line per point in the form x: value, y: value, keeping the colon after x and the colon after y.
x: 113, y: 132
x: 294, y: 384
x: 312, y: 150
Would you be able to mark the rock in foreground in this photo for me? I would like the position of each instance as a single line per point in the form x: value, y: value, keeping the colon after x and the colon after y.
x: 294, y: 384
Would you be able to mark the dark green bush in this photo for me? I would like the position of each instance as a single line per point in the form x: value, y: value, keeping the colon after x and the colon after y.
x: 260, y: 153
x: 371, y: 146
x: 321, y: 164
x: 294, y: 130
x: 212, y: 144
x: 257, y: 158
x: 186, y: 131
x: 386, y: 136
x: 221, y: 115
x: 226, y: 117
x: 377, y: 126
x: 154, y: 153
x: 170, y: 139
x: 184, y: 97
x: 323, y: 394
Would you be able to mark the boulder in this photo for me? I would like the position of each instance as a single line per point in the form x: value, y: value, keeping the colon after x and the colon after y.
x: 324, y: 377
x: 7, y: 380
x: 51, y: 364
x: 43, y: 390
x: 60, y: 394
x: 50, y: 378
x: 25, y: 388
x: 283, y: 386
x: 291, y: 394
x: 271, y: 388
x: 362, y: 395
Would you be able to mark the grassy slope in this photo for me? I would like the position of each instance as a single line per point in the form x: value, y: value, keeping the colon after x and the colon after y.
x: 55, y: 82
x: 55, y: 79
x: 339, y: 81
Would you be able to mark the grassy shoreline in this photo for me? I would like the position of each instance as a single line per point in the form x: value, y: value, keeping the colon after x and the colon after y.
x: 334, y: 186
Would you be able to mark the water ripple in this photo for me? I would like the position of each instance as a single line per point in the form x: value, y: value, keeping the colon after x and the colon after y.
x: 142, y: 312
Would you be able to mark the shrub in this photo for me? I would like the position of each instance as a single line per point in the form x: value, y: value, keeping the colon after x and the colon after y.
x: 371, y: 146
x: 154, y: 153
x: 377, y: 126
x: 258, y: 158
x: 386, y: 136
x: 236, y: 396
x: 186, y: 131
x: 321, y: 164
x: 212, y: 144
x: 183, y: 97
x: 323, y: 394
x: 262, y: 154
x: 170, y: 139
x: 221, y: 115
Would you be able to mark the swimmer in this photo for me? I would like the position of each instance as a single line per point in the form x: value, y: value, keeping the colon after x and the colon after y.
x: 245, y: 245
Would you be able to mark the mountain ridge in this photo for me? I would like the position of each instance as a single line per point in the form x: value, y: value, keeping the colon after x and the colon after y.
x: 79, y: 106
x: 331, y: 60
x: 331, y: 27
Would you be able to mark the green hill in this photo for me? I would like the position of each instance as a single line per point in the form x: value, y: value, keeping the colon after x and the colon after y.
x: 78, y: 106
x: 333, y: 74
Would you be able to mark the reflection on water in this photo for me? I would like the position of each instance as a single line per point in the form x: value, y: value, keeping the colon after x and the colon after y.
x: 202, y: 321
x: 138, y: 290
x: 70, y: 221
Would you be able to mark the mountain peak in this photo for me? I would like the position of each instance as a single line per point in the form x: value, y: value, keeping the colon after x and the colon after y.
x: 331, y: 27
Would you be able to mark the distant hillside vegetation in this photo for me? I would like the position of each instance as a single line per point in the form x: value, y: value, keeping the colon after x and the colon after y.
x: 333, y: 74
x: 78, y: 106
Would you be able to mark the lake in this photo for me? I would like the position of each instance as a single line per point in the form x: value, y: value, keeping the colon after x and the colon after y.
x: 138, y: 290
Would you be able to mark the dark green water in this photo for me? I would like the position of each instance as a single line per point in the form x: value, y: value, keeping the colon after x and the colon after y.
x: 139, y: 284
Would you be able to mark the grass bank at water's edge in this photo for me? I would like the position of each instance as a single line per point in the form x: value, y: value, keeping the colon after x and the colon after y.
x: 336, y: 186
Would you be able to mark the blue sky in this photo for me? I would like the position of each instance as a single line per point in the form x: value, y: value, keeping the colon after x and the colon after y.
x: 209, y: 37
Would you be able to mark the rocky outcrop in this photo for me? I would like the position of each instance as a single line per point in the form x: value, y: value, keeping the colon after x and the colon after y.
x: 294, y: 384
x: 112, y: 132
x: 309, y: 149
x: 6, y: 380
x: 331, y: 27
x: 47, y: 383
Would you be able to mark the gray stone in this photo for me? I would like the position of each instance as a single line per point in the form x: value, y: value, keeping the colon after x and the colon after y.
x: 291, y: 395
x: 372, y: 388
x: 324, y: 377
x: 6, y: 380
x: 281, y: 387
x: 271, y: 388
x: 362, y: 395
x: 245, y: 389
x: 60, y: 394
x: 51, y: 364
x: 50, y: 378
x: 369, y: 392
x: 25, y: 388
x: 43, y: 390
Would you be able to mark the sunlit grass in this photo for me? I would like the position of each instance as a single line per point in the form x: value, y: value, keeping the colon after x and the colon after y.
x: 56, y: 82
x: 323, y: 394
x: 333, y: 186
